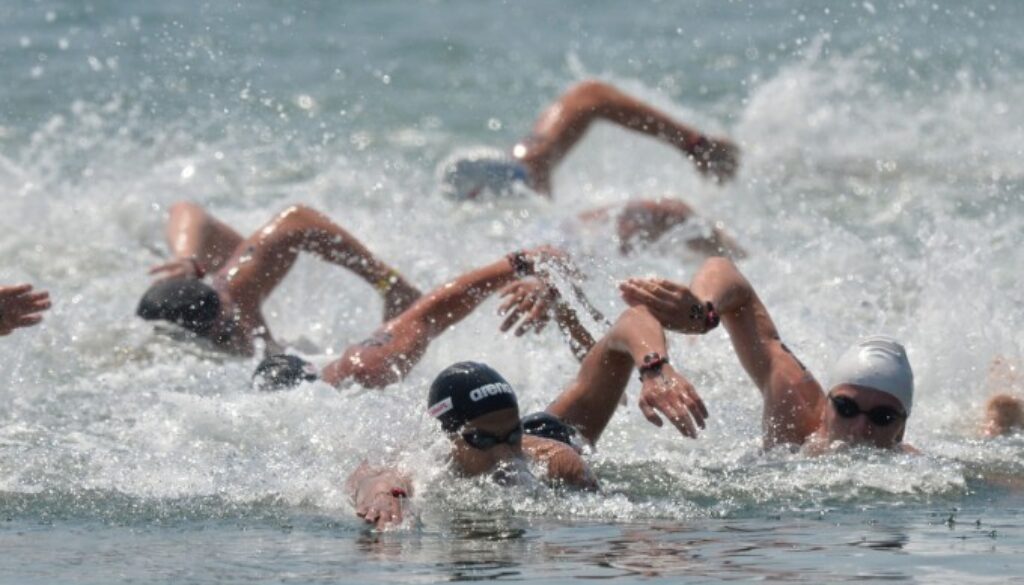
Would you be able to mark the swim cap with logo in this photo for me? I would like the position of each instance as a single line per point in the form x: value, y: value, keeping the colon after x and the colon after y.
x: 190, y: 303
x: 878, y: 362
x: 466, y: 390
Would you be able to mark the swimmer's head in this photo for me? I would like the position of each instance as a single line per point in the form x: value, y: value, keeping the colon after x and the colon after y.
x: 476, y: 173
x: 190, y: 303
x: 871, y: 393
x: 282, y: 372
x: 477, y: 407
x: 1004, y: 414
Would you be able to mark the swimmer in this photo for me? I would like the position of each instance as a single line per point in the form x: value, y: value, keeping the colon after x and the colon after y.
x: 871, y: 386
x: 21, y: 306
x: 644, y: 221
x: 477, y: 409
x: 1004, y: 411
x: 392, y: 351
x: 562, y: 125
x: 217, y: 281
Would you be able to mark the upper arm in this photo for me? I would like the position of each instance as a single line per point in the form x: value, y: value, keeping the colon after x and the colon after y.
x: 755, y: 339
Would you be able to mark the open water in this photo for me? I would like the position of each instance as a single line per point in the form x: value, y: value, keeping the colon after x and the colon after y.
x: 881, y: 191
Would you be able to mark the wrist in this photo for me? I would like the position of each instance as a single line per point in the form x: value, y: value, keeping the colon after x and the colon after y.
x: 711, y: 316
x: 695, y: 143
x: 652, y: 365
x: 521, y: 263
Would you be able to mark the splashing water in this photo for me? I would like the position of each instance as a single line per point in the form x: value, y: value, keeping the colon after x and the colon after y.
x: 880, y: 191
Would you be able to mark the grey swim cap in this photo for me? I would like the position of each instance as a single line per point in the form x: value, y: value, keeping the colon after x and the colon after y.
x: 475, y: 173
x: 878, y: 362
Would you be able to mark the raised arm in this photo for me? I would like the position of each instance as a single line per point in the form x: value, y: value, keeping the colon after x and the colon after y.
x: 198, y: 242
x: 378, y: 494
x: 636, y: 340
x: 392, y: 352
x: 565, y: 122
x: 793, y: 398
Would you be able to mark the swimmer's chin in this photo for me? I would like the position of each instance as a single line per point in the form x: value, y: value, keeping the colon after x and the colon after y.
x: 817, y: 446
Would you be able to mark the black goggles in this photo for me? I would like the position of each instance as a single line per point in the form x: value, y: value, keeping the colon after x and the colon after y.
x: 483, y: 440
x: 880, y: 416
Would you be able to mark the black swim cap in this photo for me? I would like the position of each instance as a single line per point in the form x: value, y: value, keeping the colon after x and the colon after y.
x: 190, y: 303
x: 466, y: 390
x: 280, y: 372
x: 549, y: 426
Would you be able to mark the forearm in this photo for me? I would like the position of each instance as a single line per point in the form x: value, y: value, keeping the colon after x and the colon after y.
x: 637, y: 333
x: 453, y: 301
x: 185, y: 231
x: 721, y: 283
x: 192, y: 233
x: 640, y: 117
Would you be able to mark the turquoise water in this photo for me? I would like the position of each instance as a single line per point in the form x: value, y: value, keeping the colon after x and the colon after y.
x: 881, y: 190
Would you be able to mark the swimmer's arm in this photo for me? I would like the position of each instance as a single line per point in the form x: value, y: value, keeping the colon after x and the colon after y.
x: 591, y: 400
x: 564, y: 464
x: 198, y: 241
x: 378, y: 494
x: 680, y: 308
x: 639, y: 334
x: 754, y: 336
x: 452, y: 302
x: 402, y: 339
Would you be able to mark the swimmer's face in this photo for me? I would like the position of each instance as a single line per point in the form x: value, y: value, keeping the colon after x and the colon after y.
x: 501, y: 424
x: 858, y: 415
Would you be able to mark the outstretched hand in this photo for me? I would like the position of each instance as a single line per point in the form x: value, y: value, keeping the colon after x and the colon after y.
x: 528, y: 302
x: 672, y: 304
x: 716, y: 157
x: 20, y: 306
x: 380, y: 508
x: 673, y: 396
x: 178, y: 268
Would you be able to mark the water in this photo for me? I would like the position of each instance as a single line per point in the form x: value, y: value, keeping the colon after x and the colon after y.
x: 881, y: 190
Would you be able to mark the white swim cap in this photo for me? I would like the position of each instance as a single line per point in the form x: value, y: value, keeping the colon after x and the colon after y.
x: 878, y: 362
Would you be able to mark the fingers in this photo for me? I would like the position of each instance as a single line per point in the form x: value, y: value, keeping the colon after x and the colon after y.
x: 637, y: 293
x: 27, y: 320
x: 535, y: 319
x: 9, y: 292
x: 388, y: 513
x: 675, y: 411
x: 519, y: 306
x: 27, y: 305
x: 648, y: 411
